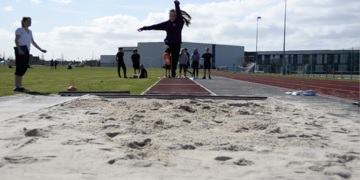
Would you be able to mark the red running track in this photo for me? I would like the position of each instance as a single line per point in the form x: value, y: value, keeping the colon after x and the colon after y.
x: 341, y: 89
x: 181, y: 86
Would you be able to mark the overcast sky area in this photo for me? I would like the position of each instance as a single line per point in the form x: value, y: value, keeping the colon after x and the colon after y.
x: 86, y: 28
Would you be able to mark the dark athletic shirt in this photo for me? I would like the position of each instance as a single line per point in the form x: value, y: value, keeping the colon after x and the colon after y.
x: 207, y: 57
x: 120, y: 57
x: 135, y: 58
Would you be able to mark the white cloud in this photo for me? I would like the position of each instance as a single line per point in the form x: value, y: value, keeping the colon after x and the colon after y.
x: 7, y: 9
x: 6, y: 34
x: 62, y: 1
x: 16, y: 23
x: 35, y: 1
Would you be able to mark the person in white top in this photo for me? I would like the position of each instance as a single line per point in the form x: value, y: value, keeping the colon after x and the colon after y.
x: 23, y: 40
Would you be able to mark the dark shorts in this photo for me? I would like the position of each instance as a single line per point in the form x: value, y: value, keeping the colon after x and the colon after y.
x: 183, y: 66
x: 195, y: 64
x: 167, y: 66
x: 136, y: 65
x: 207, y: 65
x: 21, y: 61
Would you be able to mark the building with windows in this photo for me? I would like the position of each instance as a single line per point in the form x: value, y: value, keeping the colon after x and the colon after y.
x: 306, y: 62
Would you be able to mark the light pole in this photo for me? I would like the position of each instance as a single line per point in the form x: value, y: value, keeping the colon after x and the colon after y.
x: 284, y: 61
x: 257, y: 32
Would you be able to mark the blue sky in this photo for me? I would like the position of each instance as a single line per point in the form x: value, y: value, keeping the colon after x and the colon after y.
x: 76, y: 28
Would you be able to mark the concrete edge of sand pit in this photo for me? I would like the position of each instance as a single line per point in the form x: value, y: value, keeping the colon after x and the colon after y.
x: 22, y: 104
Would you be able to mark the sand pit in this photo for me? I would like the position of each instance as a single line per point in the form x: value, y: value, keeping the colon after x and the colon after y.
x: 98, y: 138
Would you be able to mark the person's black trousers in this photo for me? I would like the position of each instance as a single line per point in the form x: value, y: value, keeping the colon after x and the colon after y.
x: 174, y: 52
x: 195, y: 67
x: 121, y: 65
x: 21, y: 61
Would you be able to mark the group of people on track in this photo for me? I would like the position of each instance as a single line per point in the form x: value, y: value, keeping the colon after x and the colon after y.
x: 186, y: 62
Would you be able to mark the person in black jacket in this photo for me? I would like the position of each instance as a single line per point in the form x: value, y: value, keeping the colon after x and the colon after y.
x: 173, y: 28
x: 143, y: 72
x: 120, y: 62
x: 135, y: 58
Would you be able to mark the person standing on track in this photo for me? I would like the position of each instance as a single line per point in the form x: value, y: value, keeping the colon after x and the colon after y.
x: 188, y: 63
x: 207, y: 62
x: 167, y: 63
x: 120, y: 62
x: 23, y: 40
x: 183, y: 61
x: 173, y: 28
x: 195, y: 58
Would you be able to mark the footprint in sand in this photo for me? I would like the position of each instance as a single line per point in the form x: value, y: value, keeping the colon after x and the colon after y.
x: 112, y: 134
x: 187, y: 121
x: 139, y: 145
x: 243, y: 129
x: 126, y: 157
x: 159, y: 123
x: 273, y: 130
x: 26, y: 159
x: 91, y: 113
x: 182, y: 147
x: 33, y: 132
x: 45, y: 116
x: 223, y: 158
x: 20, y: 159
x: 187, y: 109
x: 243, y: 162
x: 114, y: 126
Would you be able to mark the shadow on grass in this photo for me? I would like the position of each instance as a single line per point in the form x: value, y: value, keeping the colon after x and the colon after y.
x: 35, y: 93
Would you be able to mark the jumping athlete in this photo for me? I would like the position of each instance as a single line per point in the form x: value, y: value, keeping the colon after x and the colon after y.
x: 173, y: 28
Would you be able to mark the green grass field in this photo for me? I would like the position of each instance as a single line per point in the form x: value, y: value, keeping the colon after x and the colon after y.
x: 43, y: 80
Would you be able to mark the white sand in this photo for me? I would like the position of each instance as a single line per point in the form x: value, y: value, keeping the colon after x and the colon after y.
x: 97, y: 138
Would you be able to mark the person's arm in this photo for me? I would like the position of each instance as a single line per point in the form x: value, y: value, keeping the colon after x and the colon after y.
x: 37, y: 46
x: 161, y: 27
x: 178, y: 11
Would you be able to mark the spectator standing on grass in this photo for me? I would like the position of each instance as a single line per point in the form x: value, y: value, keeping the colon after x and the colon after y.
x: 183, y: 60
x: 167, y: 63
x: 173, y: 28
x: 51, y: 64
x: 135, y: 58
x: 195, y: 58
x: 55, y: 64
x: 23, y: 39
x: 207, y: 62
x: 120, y: 62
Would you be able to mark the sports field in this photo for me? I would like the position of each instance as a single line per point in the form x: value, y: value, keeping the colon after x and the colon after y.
x: 43, y: 80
